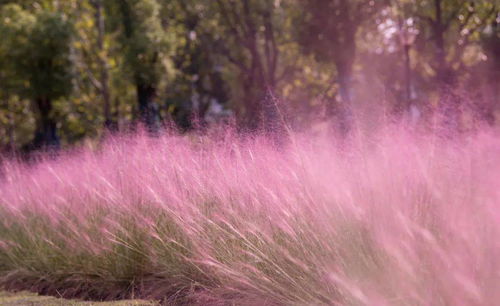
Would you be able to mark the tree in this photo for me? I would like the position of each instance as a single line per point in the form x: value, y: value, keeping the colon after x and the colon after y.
x: 452, y: 26
x: 328, y: 30
x: 249, y: 41
x: 144, y: 42
x: 199, y: 83
x: 103, y: 86
x: 37, y: 48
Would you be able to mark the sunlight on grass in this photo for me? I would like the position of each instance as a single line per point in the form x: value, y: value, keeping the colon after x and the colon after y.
x: 404, y: 219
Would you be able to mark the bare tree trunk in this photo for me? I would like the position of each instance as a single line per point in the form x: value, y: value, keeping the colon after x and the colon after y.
x: 148, y: 109
x: 46, y: 130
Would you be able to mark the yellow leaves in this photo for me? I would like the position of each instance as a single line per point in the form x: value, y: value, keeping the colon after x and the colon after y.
x: 89, y: 23
x: 85, y: 25
x: 112, y: 62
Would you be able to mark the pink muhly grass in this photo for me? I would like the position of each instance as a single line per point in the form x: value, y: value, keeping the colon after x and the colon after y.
x: 398, y: 219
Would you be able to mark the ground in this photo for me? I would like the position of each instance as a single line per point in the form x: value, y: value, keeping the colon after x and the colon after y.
x: 32, y: 299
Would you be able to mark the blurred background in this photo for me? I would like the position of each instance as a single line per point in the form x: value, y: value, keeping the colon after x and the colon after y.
x: 73, y: 70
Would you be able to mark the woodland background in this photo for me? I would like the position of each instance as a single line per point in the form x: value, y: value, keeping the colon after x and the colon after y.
x: 70, y: 70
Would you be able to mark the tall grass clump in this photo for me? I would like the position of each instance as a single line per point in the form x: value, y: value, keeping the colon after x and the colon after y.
x: 395, y: 219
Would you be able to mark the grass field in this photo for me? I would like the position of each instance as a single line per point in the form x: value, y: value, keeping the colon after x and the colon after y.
x: 399, y: 218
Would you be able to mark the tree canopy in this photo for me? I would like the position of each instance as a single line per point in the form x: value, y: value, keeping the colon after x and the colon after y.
x: 70, y: 70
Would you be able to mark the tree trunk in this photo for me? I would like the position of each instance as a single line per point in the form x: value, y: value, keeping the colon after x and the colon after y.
x: 262, y: 111
x: 494, y: 72
x: 344, y: 110
x: 252, y: 100
x: 491, y: 102
x: 438, y: 28
x: 116, y: 114
x: 46, y: 131
x: 449, y: 103
x: 148, y: 109
x: 494, y: 81
x: 408, y: 79
x: 104, y: 74
x: 438, y: 31
x: 11, y: 132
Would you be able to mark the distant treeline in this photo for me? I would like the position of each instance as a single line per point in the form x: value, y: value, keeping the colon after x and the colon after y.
x: 72, y: 69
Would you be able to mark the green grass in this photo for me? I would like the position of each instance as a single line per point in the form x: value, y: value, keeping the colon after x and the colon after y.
x: 33, y: 299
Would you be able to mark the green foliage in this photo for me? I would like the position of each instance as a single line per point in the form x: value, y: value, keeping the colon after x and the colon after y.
x: 328, y: 27
x: 143, y: 39
x: 91, y: 57
x: 36, y: 51
x: 14, y: 29
x: 48, y: 64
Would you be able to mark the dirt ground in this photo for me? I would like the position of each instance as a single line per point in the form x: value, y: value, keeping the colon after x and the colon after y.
x: 32, y: 299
